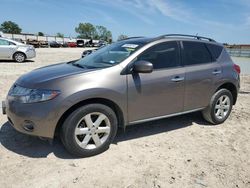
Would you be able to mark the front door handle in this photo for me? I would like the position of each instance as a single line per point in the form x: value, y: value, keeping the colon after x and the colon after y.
x: 177, y: 79
x: 216, y: 72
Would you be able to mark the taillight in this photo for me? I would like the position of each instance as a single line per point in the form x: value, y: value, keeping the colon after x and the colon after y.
x: 237, y: 68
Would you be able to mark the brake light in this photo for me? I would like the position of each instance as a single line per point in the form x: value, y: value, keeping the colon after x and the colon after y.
x: 237, y: 68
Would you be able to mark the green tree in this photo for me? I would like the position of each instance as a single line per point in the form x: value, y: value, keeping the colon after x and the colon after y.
x: 103, y: 33
x: 40, y: 33
x: 121, y: 37
x: 60, y: 35
x: 86, y: 30
x: 10, y: 27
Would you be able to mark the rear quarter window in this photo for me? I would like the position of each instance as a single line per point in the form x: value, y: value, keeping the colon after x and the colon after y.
x: 195, y: 53
x: 215, y: 50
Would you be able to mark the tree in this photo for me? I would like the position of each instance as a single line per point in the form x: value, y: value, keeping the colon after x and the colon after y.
x: 40, y: 33
x: 60, y: 35
x: 86, y: 30
x: 10, y: 27
x: 103, y: 33
x: 121, y: 37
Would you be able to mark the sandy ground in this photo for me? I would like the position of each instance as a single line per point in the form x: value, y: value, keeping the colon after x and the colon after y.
x: 182, y: 151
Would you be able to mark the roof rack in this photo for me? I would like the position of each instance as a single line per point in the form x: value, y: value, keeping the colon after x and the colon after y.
x: 131, y: 38
x: 181, y: 35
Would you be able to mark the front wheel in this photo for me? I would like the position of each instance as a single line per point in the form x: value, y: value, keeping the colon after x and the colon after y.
x: 89, y: 130
x: 219, y: 108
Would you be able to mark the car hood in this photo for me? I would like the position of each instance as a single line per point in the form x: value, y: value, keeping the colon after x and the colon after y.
x: 49, y: 73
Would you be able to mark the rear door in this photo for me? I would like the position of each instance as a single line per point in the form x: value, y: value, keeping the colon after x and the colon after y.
x: 202, y: 71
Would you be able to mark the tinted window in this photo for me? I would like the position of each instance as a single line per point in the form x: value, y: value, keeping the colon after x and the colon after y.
x: 195, y: 53
x: 162, y: 55
x: 215, y: 50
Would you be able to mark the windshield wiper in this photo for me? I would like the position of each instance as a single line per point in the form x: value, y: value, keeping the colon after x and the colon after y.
x: 79, y: 65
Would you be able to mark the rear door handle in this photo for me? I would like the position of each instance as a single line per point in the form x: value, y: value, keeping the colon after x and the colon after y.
x: 216, y: 72
x: 177, y: 79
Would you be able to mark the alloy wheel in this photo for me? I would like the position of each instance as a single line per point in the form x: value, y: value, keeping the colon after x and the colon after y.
x: 92, y: 130
x: 19, y: 57
x: 222, y: 107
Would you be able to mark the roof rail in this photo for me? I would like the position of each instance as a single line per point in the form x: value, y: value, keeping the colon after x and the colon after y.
x: 131, y: 38
x: 181, y: 35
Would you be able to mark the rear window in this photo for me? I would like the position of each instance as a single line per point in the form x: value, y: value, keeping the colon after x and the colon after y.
x: 215, y: 50
x: 195, y: 53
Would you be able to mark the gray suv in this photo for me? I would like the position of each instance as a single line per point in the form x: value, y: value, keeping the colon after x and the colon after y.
x: 131, y: 81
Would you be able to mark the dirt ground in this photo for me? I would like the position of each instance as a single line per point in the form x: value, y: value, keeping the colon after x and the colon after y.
x: 182, y: 151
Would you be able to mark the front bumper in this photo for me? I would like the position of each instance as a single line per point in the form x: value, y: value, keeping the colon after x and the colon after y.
x: 30, y: 54
x: 37, y: 119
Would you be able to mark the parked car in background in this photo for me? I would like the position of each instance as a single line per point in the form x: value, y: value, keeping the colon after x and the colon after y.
x: 43, y: 44
x: 89, y: 43
x: 11, y: 49
x: 33, y: 42
x: 90, y: 51
x: 72, y: 44
x: 87, y: 52
x: 100, y: 43
x: 54, y: 44
x: 65, y: 44
x: 80, y: 43
x: 128, y: 82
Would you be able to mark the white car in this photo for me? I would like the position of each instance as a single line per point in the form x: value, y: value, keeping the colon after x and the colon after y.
x: 10, y: 49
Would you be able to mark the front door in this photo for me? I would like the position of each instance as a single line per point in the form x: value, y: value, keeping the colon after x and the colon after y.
x: 160, y: 93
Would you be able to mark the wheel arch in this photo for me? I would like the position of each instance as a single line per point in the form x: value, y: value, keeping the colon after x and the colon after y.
x: 19, y: 52
x: 107, y: 102
x: 232, y: 88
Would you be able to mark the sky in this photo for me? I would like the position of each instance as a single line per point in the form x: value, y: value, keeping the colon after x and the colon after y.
x: 226, y: 21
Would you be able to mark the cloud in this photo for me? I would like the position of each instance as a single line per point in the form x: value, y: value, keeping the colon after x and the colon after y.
x: 137, y: 8
x: 175, y: 11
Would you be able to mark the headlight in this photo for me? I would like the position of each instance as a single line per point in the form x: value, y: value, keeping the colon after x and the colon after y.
x: 31, y: 48
x: 25, y: 95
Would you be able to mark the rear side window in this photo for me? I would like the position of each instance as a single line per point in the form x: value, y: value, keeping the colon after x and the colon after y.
x: 4, y: 42
x: 163, y: 55
x: 195, y: 53
x: 215, y: 50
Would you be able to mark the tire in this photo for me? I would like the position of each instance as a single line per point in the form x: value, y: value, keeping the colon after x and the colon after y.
x: 84, y: 136
x: 19, y: 57
x: 219, y: 110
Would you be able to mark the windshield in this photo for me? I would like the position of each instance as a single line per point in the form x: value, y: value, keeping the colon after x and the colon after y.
x: 110, y: 55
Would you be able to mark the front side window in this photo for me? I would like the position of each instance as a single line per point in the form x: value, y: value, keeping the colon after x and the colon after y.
x: 163, y: 55
x: 195, y: 53
x: 4, y: 42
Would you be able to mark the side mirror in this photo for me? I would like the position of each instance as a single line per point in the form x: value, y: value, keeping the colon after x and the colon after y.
x: 143, y: 67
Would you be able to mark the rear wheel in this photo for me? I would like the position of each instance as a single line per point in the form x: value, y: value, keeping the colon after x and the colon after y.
x: 89, y: 130
x: 219, y: 108
x: 19, y: 57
